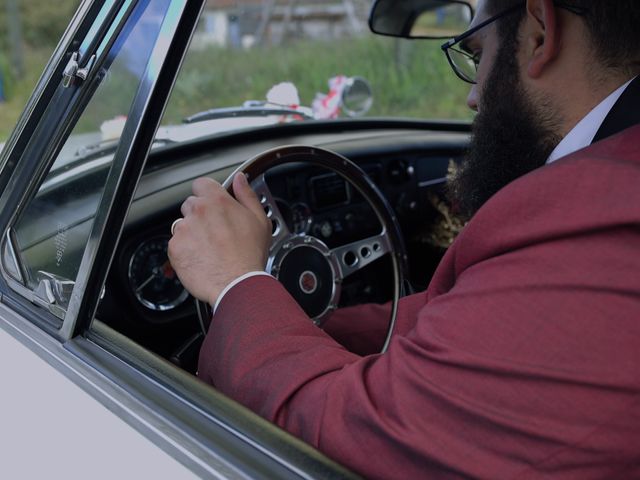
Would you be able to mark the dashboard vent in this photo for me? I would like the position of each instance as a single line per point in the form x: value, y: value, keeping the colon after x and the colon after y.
x: 329, y: 190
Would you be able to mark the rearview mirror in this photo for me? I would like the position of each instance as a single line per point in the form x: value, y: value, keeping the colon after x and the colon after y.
x: 420, y: 18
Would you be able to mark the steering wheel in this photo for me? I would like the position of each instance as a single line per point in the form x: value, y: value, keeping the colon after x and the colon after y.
x: 310, y: 271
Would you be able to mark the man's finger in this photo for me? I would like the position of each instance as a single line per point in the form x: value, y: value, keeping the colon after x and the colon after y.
x: 187, y: 206
x: 246, y: 196
x: 205, y: 186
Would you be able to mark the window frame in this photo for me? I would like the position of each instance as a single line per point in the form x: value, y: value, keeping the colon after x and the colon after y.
x: 106, y: 19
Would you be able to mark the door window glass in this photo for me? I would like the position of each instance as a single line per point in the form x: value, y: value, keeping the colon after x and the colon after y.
x: 53, y: 230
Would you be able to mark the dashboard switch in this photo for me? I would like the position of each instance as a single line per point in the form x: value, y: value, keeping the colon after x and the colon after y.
x: 400, y: 171
x: 406, y: 204
x: 325, y: 229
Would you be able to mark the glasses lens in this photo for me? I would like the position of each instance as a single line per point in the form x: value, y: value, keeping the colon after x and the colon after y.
x: 463, y: 63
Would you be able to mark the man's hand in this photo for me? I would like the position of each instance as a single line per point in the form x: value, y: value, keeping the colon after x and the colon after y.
x: 220, y: 238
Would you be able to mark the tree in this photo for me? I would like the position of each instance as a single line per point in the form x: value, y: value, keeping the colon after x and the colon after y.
x: 42, y: 21
x: 28, y: 25
x: 45, y: 21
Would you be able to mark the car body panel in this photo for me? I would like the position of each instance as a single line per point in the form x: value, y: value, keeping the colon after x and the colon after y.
x: 45, y: 414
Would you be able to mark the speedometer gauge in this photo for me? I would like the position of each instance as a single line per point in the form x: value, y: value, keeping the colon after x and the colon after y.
x: 151, y: 277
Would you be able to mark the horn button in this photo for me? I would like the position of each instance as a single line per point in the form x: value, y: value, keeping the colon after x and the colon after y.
x: 309, y: 272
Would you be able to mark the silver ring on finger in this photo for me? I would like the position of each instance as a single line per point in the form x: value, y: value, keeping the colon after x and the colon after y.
x: 173, y: 225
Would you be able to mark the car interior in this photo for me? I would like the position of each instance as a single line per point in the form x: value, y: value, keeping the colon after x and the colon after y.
x: 408, y: 162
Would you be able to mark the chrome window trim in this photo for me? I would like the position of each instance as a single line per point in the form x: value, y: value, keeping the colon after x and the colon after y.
x: 60, y: 113
x: 123, y: 154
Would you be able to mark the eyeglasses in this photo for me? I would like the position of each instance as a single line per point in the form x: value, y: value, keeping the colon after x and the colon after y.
x: 465, y: 63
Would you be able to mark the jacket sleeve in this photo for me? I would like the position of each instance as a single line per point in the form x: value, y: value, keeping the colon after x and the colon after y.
x: 362, y: 329
x: 515, y: 366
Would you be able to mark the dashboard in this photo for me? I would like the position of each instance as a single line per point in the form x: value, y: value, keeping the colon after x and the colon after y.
x: 144, y: 299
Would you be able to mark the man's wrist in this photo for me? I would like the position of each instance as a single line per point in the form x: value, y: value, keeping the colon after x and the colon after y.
x: 235, y: 282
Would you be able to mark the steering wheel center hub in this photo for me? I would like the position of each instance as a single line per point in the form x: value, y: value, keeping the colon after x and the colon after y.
x: 310, y: 273
x: 308, y: 282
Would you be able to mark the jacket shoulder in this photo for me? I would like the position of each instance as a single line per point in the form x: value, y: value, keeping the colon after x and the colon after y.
x: 594, y: 189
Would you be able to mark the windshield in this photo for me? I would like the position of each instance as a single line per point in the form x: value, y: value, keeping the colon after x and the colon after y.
x: 253, y: 61
x: 302, y: 55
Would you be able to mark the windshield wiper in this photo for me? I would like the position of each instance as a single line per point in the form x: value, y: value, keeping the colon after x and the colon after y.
x: 97, y: 149
x: 90, y: 157
x: 104, y: 147
x: 251, y: 108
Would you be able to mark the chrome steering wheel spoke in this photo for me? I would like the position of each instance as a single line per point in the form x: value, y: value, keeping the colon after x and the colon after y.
x: 357, y: 255
x: 279, y: 230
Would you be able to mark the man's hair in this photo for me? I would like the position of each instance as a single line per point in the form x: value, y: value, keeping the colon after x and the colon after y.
x: 613, y: 26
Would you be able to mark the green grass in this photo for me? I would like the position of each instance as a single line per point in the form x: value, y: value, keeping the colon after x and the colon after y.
x: 409, y: 79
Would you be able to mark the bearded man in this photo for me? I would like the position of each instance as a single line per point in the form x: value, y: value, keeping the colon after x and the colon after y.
x: 522, y: 359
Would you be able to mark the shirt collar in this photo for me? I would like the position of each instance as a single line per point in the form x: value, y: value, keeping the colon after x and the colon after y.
x: 585, y: 130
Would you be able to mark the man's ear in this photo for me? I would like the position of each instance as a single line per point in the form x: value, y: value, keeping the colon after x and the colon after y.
x: 542, y: 36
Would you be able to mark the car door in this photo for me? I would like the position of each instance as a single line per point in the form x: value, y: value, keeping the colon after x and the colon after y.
x: 68, y: 175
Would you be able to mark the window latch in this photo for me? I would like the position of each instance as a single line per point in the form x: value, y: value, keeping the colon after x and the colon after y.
x: 53, y: 292
x: 73, y: 73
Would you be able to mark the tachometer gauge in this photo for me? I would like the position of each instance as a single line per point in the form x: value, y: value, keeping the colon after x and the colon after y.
x: 152, y: 278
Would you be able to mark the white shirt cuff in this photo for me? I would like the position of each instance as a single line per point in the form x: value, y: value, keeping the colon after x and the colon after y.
x: 234, y: 283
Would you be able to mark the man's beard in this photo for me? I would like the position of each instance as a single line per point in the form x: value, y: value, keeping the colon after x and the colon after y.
x: 511, y: 136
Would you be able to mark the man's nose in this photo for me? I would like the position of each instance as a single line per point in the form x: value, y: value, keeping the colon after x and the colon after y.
x: 472, y: 98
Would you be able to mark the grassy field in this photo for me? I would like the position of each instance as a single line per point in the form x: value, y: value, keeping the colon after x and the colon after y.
x: 409, y: 79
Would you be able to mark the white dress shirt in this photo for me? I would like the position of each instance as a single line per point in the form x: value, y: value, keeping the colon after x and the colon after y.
x: 585, y: 130
x: 579, y: 137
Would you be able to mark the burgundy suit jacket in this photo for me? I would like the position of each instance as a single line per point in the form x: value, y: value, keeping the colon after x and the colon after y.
x: 521, y: 360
